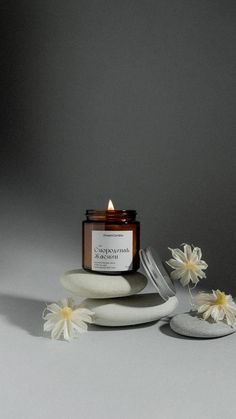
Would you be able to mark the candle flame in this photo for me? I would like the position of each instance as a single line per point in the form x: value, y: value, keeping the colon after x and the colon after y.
x: 110, y: 206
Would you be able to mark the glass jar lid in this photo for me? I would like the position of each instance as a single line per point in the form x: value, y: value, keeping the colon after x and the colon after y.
x: 156, y: 272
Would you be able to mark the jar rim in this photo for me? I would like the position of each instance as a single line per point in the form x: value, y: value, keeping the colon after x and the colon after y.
x: 111, y: 214
x: 115, y: 211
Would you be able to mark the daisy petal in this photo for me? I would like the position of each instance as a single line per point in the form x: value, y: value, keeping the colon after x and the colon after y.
x: 202, y: 264
x: 215, y: 314
x: 232, y: 309
x: 67, y: 331
x: 52, y: 316
x: 200, y: 273
x: 54, y: 308
x: 178, y: 254
x: 57, y: 330
x: 48, y: 326
x: 230, y: 319
x: 194, y: 277
x: 221, y: 313
x: 175, y: 264
x: 177, y: 274
x: 203, y: 308
x: 85, y: 311
x: 188, y: 251
x: 207, y: 313
x: 185, y: 278
x: 83, y: 325
x: 197, y: 252
x: 78, y: 328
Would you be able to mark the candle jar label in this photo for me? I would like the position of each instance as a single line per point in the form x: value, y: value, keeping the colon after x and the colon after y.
x: 112, y: 250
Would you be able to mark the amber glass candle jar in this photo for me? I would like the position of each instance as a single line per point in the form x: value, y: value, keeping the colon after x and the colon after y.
x: 111, y: 241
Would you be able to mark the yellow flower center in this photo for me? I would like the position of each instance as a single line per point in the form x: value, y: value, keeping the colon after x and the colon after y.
x: 66, y: 313
x: 220, y: 300
x: 190, y: 265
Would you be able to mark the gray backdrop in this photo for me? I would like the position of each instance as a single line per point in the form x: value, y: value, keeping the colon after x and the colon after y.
x: 129, y: 100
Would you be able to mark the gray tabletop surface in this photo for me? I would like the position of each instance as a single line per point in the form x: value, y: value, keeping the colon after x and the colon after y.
x: 132, y: 100
x: 131, y: 373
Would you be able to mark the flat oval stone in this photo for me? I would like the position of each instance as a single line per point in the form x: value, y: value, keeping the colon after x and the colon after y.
x: 92, y: 285
x: 189, y: 324
x: 129, y: 311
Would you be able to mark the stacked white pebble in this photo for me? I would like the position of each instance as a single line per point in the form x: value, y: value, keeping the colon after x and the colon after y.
x: 113, y: 298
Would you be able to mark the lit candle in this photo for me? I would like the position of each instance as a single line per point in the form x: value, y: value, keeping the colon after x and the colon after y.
x: 110, y: 206
x: 111, y: 240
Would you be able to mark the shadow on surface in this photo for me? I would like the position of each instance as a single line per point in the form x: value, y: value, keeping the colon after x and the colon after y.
x: 26, y: 313
x: 23, y: 312
x: 166, y: 330
x: 139, y: 300
x: 96, y: 328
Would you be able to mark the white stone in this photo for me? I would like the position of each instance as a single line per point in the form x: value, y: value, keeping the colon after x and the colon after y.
x: 188, y: 324
x: 92, y: 285
x: 128, y: 311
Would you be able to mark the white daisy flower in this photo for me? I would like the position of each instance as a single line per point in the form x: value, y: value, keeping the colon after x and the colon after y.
x: 67, y: 319
x: 187, y: 264
x: 217, y: 305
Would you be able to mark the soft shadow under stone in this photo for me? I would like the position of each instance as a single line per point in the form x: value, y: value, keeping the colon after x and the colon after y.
x: 23, y: 312
x: 189, y: 324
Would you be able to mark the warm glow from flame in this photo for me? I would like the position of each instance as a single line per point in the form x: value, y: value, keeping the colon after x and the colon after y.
x: 110, y: 206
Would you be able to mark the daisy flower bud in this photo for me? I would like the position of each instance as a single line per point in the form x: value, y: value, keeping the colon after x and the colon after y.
x: 66, y: 319
x: 216, y: 305
x: 187, y: 264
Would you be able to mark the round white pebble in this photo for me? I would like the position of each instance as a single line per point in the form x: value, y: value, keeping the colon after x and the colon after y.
x: 129, y: 311
x: 188, y: 324
x: 93, y: 285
